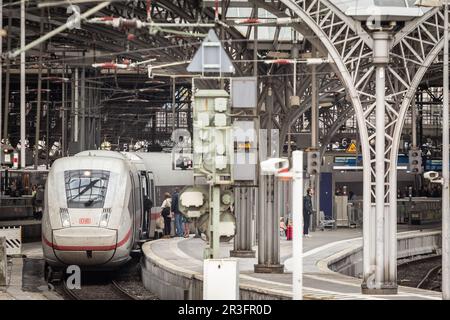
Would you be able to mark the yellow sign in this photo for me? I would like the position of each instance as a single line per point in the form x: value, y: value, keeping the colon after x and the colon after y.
x: 351, y: 148
x: 246, y: 145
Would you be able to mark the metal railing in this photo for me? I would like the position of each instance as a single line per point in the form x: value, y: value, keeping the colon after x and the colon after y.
x: 409, y: 211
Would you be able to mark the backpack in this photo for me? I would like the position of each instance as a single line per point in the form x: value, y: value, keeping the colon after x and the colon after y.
x: 165, y: 212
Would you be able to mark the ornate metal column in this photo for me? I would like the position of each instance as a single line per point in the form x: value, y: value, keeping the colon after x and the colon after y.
x: 268, y: 226
x: 243, y: 203
x: 315, y: 142
x: 268, y: 213
x: 383, y: 237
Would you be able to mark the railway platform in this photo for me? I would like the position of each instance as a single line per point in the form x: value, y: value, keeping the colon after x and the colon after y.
x: 25, y: 278
x: 173, y: 268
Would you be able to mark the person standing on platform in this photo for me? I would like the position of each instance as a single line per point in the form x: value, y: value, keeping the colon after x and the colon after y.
x: 283, y: 228
x: 307, y: 212
x: 33, y: 200
x: 148, y: 204
x: 187, y: 225
x: 165, y: 213
x: 179, y: 230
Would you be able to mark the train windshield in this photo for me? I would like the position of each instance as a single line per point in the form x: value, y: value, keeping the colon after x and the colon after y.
x: 86, y: 188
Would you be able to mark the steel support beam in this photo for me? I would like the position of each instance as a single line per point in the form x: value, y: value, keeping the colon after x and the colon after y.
x: 382, y: 239
x: 7, y: 80
x: 22, y: 86
x: 76, y: 107
x: 268, y: 211
x: 173, y: 102
x: 39, y: 98
x: 315, y: 141
x: 82, y: 110
x: 63, y: 116
x: 414, y: 124
x: 243, y: 199
x: 1, y: 80
x: 47, y: 121
x: 445, y: 166
x: 297, y: 215
x: 268, y: 227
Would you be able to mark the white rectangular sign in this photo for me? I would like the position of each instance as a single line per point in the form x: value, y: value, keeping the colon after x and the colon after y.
x: 220, y: 279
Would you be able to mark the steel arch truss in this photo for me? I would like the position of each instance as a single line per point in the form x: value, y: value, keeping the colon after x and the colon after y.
x: 413, y: 49
x: 416, y: 47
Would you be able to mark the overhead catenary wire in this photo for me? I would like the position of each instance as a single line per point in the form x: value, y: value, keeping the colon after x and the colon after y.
x: 179, y: 46
x: 239, y: 61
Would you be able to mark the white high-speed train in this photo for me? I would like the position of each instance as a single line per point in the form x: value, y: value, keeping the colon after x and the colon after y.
x: 93, y: 213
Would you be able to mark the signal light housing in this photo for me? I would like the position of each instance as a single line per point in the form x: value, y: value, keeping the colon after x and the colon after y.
x: 415, y: 161
x: 314, y: 162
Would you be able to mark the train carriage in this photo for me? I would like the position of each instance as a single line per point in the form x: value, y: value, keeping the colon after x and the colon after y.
x: 93, y: 212
x: 94, y: 205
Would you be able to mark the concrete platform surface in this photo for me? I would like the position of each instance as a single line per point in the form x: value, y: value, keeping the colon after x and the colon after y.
x: 25, y: 276
x: 184, y: 257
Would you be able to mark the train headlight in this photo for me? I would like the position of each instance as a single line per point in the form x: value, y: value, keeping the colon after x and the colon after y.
x: 104, y: 219
x: 65, y: 218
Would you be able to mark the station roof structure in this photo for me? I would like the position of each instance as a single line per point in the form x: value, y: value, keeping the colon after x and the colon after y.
x: 130, y: 105
x: 397, y: 10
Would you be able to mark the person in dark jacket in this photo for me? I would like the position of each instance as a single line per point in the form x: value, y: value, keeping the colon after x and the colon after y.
x: 179, y: 230
x: 307, y: 211
x: 39, y: 201
x: 166, y: 208
x: 148, y: 204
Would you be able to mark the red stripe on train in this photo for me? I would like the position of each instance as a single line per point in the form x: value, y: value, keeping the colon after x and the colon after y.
x: 88, y: 248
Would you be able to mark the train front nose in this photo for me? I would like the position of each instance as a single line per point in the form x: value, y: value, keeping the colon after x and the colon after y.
x: 84, y: 246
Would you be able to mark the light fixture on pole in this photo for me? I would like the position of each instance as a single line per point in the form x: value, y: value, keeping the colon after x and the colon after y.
x: 280, y: 168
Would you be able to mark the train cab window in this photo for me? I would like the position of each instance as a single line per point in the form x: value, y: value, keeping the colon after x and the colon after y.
x: 86, y: 188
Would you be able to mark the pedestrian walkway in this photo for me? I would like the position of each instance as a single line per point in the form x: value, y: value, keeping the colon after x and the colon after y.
x: 183, y: 258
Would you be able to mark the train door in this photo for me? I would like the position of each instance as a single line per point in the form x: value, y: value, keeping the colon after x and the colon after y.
x: 139, y: 207
x: 152, y: 189
x: 136, y: 209
x: 155, y: 209
x: 147, y: 193
x: 143, y: 187
x: 132, y: 208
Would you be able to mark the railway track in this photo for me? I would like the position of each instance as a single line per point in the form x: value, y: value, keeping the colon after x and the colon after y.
x: 108, y: 290
x: 423, y: 274
x: 428, y: 279
x: 122, y: 284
